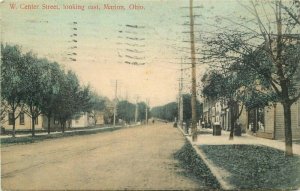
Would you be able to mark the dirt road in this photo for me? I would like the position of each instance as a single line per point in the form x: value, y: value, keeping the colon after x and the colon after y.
x: 130, y: 158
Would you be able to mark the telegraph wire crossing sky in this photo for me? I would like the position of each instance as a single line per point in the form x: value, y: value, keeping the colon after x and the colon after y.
x: 140, y: 48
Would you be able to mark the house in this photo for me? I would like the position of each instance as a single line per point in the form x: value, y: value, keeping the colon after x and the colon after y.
x: 23, y: 122
x: 80, y: 120
x: 268, y: 122
x: 216, y: 111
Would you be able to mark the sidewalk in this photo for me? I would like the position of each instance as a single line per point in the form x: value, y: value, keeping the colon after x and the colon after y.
x: 209, y: 139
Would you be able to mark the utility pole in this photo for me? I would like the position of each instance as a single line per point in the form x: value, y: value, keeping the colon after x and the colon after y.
x: 115, y: 108
x: 178, y: 118
x: 180, y: 97
x: 193, y: 61
x: 136, y: 109
x: 180, y: 101
x: 147, y: 102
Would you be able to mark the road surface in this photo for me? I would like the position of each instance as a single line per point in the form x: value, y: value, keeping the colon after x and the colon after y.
x: 131, y: 158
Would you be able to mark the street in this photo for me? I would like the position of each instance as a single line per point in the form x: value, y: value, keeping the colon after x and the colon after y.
x: 131, y: 158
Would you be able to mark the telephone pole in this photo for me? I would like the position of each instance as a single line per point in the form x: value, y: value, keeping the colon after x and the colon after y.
x: 147, y: 103
x: 193, y: 61
x: 178, y: 117
x: 136, y: 109
x: 180, y: 96
x: 115, y: 104
x: 180, y: 104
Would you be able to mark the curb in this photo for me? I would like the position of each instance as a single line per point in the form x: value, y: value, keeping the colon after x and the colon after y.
x: 214, y: 170
x: 185, y: 134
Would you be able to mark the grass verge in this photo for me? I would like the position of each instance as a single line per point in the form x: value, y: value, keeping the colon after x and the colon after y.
x: 194, y: 167
x: 256, y: 167
x: 29, y: 139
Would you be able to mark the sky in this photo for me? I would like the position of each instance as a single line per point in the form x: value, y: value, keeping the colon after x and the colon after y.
x: 106, y: 39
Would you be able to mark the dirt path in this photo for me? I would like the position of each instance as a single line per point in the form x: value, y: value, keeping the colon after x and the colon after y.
x: 132, y: 158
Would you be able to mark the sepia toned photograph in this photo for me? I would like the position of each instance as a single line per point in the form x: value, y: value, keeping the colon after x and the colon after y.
x: 150, y: 94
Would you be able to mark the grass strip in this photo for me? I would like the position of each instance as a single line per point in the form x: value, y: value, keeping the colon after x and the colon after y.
x: 255, y: 166
x: 194, y: 167
x: 37, y: 138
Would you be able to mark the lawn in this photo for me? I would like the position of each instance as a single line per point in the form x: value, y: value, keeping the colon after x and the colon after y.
x: 256, y: 167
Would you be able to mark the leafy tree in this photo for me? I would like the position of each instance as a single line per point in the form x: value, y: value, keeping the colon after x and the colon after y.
x: 226, y: 89
x: 68, y: 101
x: 167, y: 112
x: 126, y: 111
x: 187, y: 108
x: 52, y: 76
x: 97, y: 105
x: 11, y: 82
x: 170, y: 111
x: 142, y: 106
x: 37, y: 86
x: 108, y: 111
x: 33, y: 80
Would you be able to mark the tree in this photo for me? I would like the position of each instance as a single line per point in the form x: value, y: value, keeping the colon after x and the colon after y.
x: 227, y: 89
x: 35, y: 85
x: 142, y: 106
x: 126, y: 111
x: 170, y: 111
x: 97, y: 105
x: 52, y: 77
x: 166, y: 112
x: 187, y: 108
x: 32, y: 79
x: 108, y: 111
x: 11, y: 82
x: 269, y: 52
x: 71, y: 99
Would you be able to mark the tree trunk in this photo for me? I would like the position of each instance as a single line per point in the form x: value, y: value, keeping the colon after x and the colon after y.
x: 14, y: 126
x: 63, y: 127
x: 48, y: 123
x: 33, y: 126
x: 288, y: 130
x: 69, y: 124
x: 232, y: 121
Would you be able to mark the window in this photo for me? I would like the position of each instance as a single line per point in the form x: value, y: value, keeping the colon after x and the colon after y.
x: 10, y: 118
x: 21, y: 118
x: 55, y: 121
x: 36, y: 121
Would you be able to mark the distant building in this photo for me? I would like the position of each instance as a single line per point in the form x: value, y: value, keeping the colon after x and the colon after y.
x: 24, y: 122
x: 215, y: 111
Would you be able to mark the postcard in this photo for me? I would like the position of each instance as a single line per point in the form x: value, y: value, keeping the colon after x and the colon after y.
x: 150, y: 94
